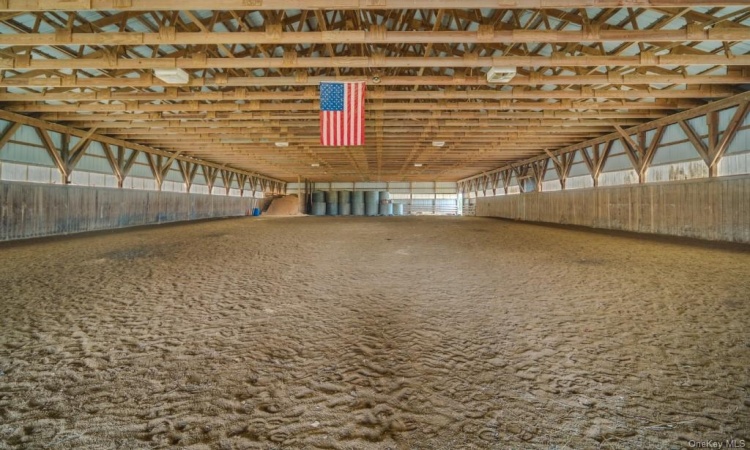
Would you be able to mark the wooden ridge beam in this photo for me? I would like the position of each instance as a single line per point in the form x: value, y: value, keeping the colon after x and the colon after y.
x: 336, y: 37
x: 439, y: 117
x: 742, y: 75
x: 645, y: 59
x: 502, y: 105
x: 245, y: 5
x: 311, y: 94
x: 222, y: 126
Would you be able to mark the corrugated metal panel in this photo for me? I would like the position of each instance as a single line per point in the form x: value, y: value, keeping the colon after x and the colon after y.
x: 578, y: 168
x: 725, y: 116
x: 673, y: 133
x: 21, y: 153
x: 579, y: 182
x: 618, y: 178
x: 675, y: 153
x: 37, y: 174
x: 199, y: 179
x: 174, y: 174
x: 741, y: 142
x: 698, y: 124
x: 736, y: 164
x: 549, y: 186
x: 94, y: 164
x: 678, y: 171
x: 617, y: 163
x: 95, y: 149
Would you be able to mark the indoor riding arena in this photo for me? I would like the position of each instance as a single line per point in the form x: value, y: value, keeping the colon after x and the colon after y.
x: 374, y: 224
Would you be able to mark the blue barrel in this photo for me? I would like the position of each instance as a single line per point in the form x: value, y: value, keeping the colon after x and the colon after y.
x: 332, y: 209
x: 386, y: 209
x: 358, y: 197
x: 318, y: 197
x: 398, y: 209
x: 256, y: 212
x: 371, y: 203
x: 332, y: 197
x: 345, y: 207
x: 384, y: 195
x: 358, y: 209
x: 319, y: 208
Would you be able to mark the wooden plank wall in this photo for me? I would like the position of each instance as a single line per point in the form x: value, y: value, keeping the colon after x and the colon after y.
x: 33, y: 210
x: 711, y: 208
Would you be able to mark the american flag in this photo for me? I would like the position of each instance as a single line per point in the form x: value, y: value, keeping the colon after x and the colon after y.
x: 342, y: 114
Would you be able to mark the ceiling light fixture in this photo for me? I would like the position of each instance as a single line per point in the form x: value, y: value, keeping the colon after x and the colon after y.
x: 500, y: 74
x: 172, y: 76
x: 417, y: 164
x: 314, y: 165
x: 438, y: 143
x: 281, y: 144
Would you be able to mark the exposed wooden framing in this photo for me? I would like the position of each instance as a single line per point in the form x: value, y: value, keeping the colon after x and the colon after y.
x: 501, y: 105
x: 370, y: 62
x: 8, y: 133
x: 639, y: 153
x: 147, y: 80
x: 43, y: 127
x: 369, y: 37
x: 188, y: 171
x: 53, y: 153
x: 539, y: 170
x: 707, y: 92
x: 640, y: 150
x: 210, y: 173
x: 562, y: 165
x: 583, y: 67
x: 242, y: 5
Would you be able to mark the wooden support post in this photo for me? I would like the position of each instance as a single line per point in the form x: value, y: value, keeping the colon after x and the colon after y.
x: 53, y: 153
x: 8, y: 133
x: 210, y: 173
x: 717, y: 152
x: 539, y: 170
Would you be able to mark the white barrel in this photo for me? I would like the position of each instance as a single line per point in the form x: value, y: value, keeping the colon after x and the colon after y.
x: 384, y: 195
x: 319, y: 209
x: 398, y: 209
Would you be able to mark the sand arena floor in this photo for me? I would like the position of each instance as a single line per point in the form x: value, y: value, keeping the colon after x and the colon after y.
x: 372, y: 333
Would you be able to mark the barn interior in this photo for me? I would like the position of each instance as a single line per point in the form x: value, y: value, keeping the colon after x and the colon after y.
x: 610, y: 312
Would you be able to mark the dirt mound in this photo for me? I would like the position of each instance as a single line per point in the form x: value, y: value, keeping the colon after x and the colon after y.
x: 287, y: 205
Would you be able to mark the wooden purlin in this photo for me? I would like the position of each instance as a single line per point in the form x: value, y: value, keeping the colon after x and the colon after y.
x: 368, y: 37
x: 707, y: 92
x: 244, y: 5
x: 740, y: 75
x: 369, y: 62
